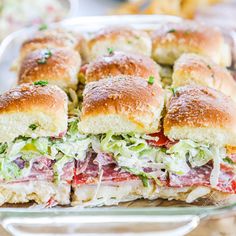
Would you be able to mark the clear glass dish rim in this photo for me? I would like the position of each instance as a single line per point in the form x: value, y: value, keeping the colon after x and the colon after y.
x: 93, y: 21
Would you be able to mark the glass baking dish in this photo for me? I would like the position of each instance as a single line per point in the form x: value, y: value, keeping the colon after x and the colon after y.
x: 159, y: 217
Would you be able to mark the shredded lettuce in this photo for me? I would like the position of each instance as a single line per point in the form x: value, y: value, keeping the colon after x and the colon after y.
x: 131, y: 152
x: 188, y: 151
x: 63, y: 150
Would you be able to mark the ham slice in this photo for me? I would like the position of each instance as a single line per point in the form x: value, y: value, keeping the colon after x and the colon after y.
x: 200, y: 176
x: 94, y: 165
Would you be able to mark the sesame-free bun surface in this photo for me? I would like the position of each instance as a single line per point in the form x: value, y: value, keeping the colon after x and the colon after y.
x: 173, y: 39
x: 192, y: 69
x: 201, y: 114
x: 54, y: 38
x: 122, y: 63
x: 119, y: 39
x: 121, y: 104
x: 44, y: 106
x: 60, y: 68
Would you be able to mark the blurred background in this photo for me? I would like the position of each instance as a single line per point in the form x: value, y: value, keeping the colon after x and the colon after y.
x: 15, y: 14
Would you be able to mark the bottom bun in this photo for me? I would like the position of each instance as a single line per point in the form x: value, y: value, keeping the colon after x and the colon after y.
x: 41, y: 192
x: 115, y: 193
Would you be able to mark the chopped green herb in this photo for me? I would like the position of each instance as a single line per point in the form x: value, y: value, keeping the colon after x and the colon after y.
x: 110, y: 50
x: 228, y: 160
x: 129, y: 42
x: 3, y: 147
x: 137, y: 37
x: 44, y: 57
x: 209, y: 67
x: 173, y: 90
x: 41, y: 83
x: 171, y: 31
x: 113, y: 197
x: 43, y: 27
x: 151, y: 79
x: 33, y: 126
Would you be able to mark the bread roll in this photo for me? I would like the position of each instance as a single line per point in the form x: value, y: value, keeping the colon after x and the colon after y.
x: 121, y: 104
x: 192, y: 69
x: 54, y: 38
x: 119, y: 39
x: 170, y: 41
x: 32, y: 111
x: 41, y: 192
x: 57, y: 66
x: 113, y: 194
x: 122, y: 63
x: 201, y: 114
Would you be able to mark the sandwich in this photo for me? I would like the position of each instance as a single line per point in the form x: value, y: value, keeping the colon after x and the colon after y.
x: 171, y: 40
x: 54, y: 38
x: 124, y: 39
x: 34, y: 165
x: 58, y: 66
x: 138, y: 150
x: 190, y: 69
x: 121, y: 63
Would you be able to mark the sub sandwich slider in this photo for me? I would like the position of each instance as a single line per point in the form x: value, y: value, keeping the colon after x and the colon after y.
x: 54, y: 38
x: 122, y: 63
x: 171, y: 40
x: 34, y: 167
x: 124, y: 39
x: 58, y: 66
x: 192, y: 69
x: 117, y: 113
x: 202, y: 122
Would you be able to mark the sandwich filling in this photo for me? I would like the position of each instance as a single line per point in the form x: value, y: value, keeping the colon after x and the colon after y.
x: 155, y: 159
x: 111, y: 158
x: 43, y: 158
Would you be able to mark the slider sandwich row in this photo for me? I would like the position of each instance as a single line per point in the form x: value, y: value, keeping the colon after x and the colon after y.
x: 126, y: 146
x: 57, y: 53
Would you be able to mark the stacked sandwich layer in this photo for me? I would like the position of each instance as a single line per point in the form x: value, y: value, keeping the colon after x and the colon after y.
x: 125, y: 127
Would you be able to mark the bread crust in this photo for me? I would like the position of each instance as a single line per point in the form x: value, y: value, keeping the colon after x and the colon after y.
x: 60, y: 68
x: 121, y: 63
x: 132, y: 100
x: 201, y: 110
x: 192, y: 69
x: 125, y: 39
x: 116, y: 193
x: 29, y: 104
x: 173, y: 39
x: 53, y: 38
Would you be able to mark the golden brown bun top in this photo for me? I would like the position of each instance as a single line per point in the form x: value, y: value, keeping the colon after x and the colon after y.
x: 57, y: 66
x: 190, y: 37
x: 52, y: 38
x: 112, y: 33
x: 122, y: 63
x: 200, y: 107
x: 134, y: 104
x: 27, y: 96
x: 196, y: 69
x: 190, y: 62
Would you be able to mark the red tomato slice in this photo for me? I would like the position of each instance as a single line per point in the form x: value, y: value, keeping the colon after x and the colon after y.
x: 162, y: 140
